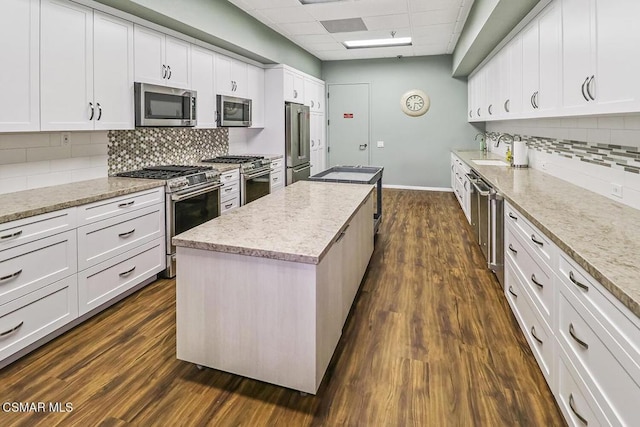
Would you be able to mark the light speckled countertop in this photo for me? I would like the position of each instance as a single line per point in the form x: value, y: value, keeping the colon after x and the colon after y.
x: 296, y: 224
x: 23, y: 204
x: 601, y: 235
x: 221, y: 167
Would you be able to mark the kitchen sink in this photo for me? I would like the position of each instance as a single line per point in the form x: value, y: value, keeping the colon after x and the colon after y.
x: 486, y: 162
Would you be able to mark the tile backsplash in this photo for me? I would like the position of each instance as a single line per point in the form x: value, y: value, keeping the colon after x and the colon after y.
x: 134, y: 149
x: 601, y: 154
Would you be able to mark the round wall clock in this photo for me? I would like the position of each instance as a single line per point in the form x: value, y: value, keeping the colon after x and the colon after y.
x: 415, y: 103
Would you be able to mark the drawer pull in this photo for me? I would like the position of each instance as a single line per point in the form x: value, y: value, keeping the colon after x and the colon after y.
x: 536, y: 241
x: 128, y: 272
x: 275, y: 178
x: 12, y: 330
x: 228, y: 176
x: 511, y: 292
x: 10, y: 276
x: 512, y: 250
x: 572, y: 332
x: 573, y: 409
x: 127, y: 234
x: 513, y: 217
x: 535, y: 281
x: 341, y: 235
x: 533, y: 334
x: 578, y: 284
x: 226, y: 190
x: 227, y: 206
x: 9, y: 236
x: 126, y: 204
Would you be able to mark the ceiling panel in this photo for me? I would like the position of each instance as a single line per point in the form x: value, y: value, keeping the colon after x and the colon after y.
x: 434, y: 25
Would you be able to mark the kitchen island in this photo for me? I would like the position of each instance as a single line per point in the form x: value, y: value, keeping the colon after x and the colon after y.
x: 264, y: 291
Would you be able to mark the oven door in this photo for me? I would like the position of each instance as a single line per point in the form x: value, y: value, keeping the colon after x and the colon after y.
x: 255, y: 185
x: 164, y: 106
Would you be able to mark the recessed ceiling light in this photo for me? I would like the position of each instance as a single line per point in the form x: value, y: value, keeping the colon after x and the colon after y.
x: 359, y: 44
x: 318, y: 1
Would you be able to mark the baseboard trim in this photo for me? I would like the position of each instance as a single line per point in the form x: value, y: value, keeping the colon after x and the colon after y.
x: 412, y: 187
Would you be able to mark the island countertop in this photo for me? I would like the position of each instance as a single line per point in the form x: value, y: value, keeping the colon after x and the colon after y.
x: 295, y: 224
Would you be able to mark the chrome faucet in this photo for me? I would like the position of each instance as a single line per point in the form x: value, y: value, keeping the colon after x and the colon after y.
x: 483, y: 145
x: 517, y: 136
x: 504, y: 135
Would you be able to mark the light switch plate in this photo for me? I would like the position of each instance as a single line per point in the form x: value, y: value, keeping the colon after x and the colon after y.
x: 616, y: 190
x: 380, y: 144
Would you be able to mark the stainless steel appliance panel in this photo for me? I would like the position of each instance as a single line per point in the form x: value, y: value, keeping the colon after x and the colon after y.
x: 299, y: 173
x: 233, y: 111
x: 496, y: 235
x: 297, y: 135
x: 255, y: 185
x: 164, y: 106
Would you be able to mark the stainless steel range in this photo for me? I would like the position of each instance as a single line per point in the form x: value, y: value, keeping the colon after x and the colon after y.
x: 192, y: 198
x: 255, y: 175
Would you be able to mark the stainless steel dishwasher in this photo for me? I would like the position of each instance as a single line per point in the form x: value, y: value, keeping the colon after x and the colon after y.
x: 487, y: 219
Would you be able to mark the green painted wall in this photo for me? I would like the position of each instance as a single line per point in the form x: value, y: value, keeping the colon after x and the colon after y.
x: 417, y: 149
x: 221, y: 23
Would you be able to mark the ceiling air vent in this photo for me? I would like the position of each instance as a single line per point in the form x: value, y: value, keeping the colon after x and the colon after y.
x: 344, y: 25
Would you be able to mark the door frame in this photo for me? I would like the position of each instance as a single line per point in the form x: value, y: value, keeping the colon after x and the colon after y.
x: 327, y: 127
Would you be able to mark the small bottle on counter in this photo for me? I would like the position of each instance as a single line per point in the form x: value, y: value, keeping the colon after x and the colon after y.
x: 509, y: 156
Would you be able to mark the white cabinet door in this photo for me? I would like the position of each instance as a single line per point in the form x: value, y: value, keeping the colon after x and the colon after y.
x: 293, y: 87
x: 255, y: 91
x: 315, y: 143
x: 177, y: 61
x: 550, y: 36
x: 19, y: 44
x: 66, y: 59
x: 239, y: 78
x: 310, y: 94
x: 202, y: 81
x: 224, y: 84
x: 513, y: 103
x: 149, y: 56
x: 113, y: 72
x: 530, y: 67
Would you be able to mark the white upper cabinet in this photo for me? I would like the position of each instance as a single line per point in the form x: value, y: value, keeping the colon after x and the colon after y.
x: 66, y: 58
x: 231, y: 76
x: 530, y: 67
x: 202, y: 81
x: 313, y: 94
x: 578, y: 54
x: 19, y: 48
x: 255, y: 91
x: 512, y: 105
x: 161, y: 59
x: 113, y: 72
x: 86, y: 76
x: 293, y: 87
x: 550, y: 27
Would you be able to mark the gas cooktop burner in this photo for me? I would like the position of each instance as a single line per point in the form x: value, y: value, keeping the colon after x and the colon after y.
x: 233, y: 159
x: 165, y: 171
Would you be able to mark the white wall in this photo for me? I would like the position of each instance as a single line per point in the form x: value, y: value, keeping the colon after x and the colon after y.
x: 34, y: 160
x: 623, y: 130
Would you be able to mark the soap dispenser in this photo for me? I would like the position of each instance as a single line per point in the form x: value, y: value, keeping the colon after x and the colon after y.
x: 509, y: 156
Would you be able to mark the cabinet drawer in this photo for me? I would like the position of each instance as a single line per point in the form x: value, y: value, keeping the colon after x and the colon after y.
x: 277, y: 163
x: 102, y: 282
x: 276, y: 179
x: 229, y: 190
x: 229, y: 204
x: 230, y: 176
x: 36, y: 227
x: 27, y: 319
x: 541, y: 245
x: 118, y: 205
x: 574, y: 399
x: 538, y: 334
x: 534, y: 274
x: 276, y: 188
x: 28, y: 267
x: 612, y: 375
x: 102, y: 240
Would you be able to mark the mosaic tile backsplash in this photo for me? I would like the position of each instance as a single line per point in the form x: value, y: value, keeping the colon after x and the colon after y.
x: 135, y: 149
x: 622, y: 157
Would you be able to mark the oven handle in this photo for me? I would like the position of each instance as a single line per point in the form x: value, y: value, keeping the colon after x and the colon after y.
x: 179, y: 198
x: 257, y: 174
x: 479, y: 190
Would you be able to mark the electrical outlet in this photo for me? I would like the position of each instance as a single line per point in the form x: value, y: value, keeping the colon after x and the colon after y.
x: 66, y: 138
x: 380, y: 144
x: 616, y: 190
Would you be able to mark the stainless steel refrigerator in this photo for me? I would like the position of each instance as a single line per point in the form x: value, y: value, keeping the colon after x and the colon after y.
x: 297, y: 146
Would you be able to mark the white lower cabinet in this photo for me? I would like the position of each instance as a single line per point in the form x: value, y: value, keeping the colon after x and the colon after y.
x: 461, y: 185
x: 230, y: 191
x: 277, y: 175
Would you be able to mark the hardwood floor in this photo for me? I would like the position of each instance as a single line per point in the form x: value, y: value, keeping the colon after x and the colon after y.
x: 430, y: 341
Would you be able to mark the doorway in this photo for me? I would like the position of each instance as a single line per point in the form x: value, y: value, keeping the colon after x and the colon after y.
x: 348, y: 128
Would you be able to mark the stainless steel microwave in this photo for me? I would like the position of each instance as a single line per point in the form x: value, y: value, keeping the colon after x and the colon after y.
x: 164, y: 106
x: 233, y: 111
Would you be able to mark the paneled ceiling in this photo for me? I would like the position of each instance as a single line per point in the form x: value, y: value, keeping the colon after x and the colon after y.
x: 434, y: 25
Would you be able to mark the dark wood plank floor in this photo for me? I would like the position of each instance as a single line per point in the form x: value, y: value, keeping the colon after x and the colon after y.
x: 430, y: 342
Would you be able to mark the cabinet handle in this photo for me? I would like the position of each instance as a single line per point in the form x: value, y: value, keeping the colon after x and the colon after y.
x: 583, y: 85
x: 535, y: 281
x: 99, y: 111
x: 126, y: 204
x: 164, y: 71
x: 169, y: 72
x: 489, y: 109
x: 127, y: 234
x: 573, y: 409
x: 535, y: 99
x: 227, y: 206
x: 478, y: 112
x: 507, y: 103
x: 532, y: 103
x: 226, y: 190
x: 470, y: 113
x: 593, y: 98
x: 275, y: 178
x: 512, y: 216
x: 295, y: 93
x: 12, y: 330
x: 536, y: 241
x: 533, y: 334
x: 572, y: 332
x: 511, y: 292
x: 92, y: 110
x: 9, y: 236
x: 342, y: 233
x: 128, y: 272
x: 312, y: 103
x: 313, y: 143
x: 578, y: 284
x: 512, y: 249
x: 10, y: 276
x: 465, y: 185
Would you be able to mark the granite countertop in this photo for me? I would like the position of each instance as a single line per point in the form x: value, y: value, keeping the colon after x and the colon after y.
x: 296, y: 224
x: 601, y: 235
x: 24, y: 204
